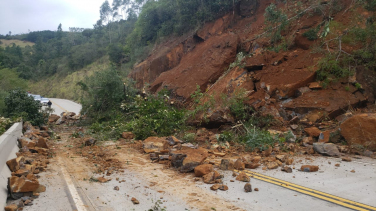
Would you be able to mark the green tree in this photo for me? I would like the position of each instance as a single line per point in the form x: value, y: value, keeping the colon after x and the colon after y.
x: 103, y: 94
x: 19, y: 104
x: 59, y: 37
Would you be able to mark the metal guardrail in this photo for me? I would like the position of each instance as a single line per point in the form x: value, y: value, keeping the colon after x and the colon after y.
x: 8, y: 149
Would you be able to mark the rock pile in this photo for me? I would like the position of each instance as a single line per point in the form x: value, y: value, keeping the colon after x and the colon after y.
x: 30, y: 161
x: 65, y: 117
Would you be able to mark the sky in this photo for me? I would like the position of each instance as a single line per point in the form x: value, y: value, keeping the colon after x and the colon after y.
x: 20, y: 16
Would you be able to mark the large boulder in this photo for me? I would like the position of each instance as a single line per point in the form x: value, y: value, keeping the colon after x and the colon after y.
x: 330, y: 102
x: 360, y: 129
x: 190, y: 158
x: 203, y: 169
x: 23, y: 184
x: 53, y: 118
x: 155, y: 144
x: 15, y: 163
x: 326, y: 149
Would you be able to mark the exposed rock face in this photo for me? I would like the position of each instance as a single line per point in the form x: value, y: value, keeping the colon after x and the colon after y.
x: 155, y: 144
x: 326, y: 149
x: 360, y: 130
x: 332, y: 102
x: 202, y: 66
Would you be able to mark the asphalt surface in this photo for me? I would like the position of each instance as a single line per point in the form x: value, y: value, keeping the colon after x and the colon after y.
x: 62, y: 105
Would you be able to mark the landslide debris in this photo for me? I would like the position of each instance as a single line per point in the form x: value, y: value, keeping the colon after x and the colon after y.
x: 32, y: 158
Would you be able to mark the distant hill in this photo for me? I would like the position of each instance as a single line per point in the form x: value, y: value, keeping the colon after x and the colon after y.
x: 4, y: 43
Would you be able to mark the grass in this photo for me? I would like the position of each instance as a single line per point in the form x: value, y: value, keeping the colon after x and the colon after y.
x: 5, y: 43
x: 65, y: 87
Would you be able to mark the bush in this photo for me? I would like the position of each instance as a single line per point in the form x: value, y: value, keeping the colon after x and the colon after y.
x: 311, y: 34
x: 5, y: 123
x: 154, y: 117
x: 19, y: 104
x: 276, y: 21
x: 103, y: 93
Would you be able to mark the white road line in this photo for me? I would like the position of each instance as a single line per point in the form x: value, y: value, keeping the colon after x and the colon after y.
x: 72, y: 189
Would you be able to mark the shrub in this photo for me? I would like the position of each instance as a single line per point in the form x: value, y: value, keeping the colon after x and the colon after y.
x: 256, y: 138
x: 5, y: 123
x: 153, y: 116
x: 19, y: 104
x: 276, y: 21
x: 103, y: 94
x: 311, y: 34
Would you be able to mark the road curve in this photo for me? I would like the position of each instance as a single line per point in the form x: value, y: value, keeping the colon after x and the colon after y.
x: 62, y: 105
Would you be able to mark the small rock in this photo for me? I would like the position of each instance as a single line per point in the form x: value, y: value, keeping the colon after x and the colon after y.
x: 239, y: 165
x: 234, y: 174
x: 309, y: 168
x: 127, y: 135
x: 281, y: 158
x: 252, y: 165
x: 89, y: 142
x: 116, y: 188
x: 12, y: 207
x: 313, y: 131
x: 347, y: 159
x: 326, y: 149
x: 243, y: 177
x: 248, y: 187
x: 337, y: 165
x: 286, y: 169
x: 272, y: 165
x: 223, y: 187
x: 352, y: 171
x: 203, y: 169
x: 315, y: 85
x: 294, y: 127
x: 135, y: 201
x: 289, y: 161
x: 215, y: 187
x: 232, y: 180
x: 102, y: 180
x: 211, y: 177
x: 256, y: 189
x: 324, y: 136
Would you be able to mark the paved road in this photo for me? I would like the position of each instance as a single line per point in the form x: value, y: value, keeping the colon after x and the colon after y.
x: 62, y: 105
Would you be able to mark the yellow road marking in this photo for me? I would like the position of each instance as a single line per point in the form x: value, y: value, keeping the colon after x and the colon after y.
x: 59, y: 106
x: 311, y: 192
x: 315, y: 191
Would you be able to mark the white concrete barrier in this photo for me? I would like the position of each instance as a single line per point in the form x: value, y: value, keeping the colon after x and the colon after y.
x: 8, y: 149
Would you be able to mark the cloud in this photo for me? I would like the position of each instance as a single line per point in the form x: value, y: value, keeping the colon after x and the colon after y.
x: 20, y: 16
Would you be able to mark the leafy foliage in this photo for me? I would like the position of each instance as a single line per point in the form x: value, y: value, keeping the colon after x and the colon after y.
x: 5, y: 123
x: 153, y: 116
x: 276, y: 21
x: 19, y: 104
x: 103, y: 93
